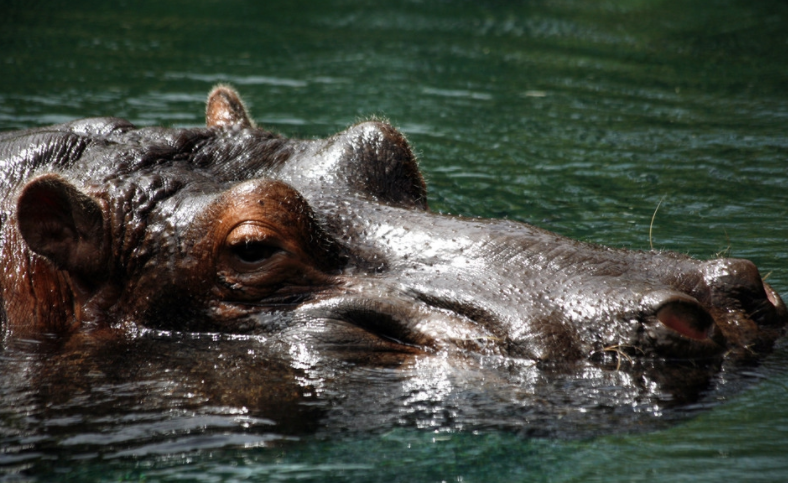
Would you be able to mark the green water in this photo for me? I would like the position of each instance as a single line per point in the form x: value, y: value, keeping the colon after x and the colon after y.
x: 579, y: 116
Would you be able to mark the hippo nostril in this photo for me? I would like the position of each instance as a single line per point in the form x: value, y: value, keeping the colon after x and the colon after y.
x: 681, y: 313
x: 678, y: 325
x: 687, y: 318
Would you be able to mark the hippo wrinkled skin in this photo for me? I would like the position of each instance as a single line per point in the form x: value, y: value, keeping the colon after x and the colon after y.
x: 109, y: 230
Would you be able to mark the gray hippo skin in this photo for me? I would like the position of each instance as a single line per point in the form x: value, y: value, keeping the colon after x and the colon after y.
x: 109, y: 232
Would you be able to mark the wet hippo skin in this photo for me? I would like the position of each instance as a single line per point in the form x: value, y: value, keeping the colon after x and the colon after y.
x: 110, y: 233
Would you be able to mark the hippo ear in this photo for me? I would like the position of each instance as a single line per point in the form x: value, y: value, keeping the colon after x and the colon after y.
x: 225, y: 108
x: 62, y: 224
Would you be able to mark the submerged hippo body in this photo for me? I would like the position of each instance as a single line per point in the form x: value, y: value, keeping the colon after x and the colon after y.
x: 233, y: 229
x: 313, y: 251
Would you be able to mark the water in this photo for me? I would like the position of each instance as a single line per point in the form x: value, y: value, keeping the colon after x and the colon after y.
x: 579, y: 116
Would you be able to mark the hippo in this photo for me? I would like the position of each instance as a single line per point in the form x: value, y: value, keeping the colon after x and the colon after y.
x: 107, y: 230
x: 151, y: 275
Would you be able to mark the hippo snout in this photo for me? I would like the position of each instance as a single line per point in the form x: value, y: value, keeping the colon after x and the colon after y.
x: 747, y: 310
x: 738, y: 282
x: 714, y: 307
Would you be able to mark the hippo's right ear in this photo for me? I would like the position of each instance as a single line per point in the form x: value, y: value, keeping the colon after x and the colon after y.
x: 62, y: 224
x: 225, y: 108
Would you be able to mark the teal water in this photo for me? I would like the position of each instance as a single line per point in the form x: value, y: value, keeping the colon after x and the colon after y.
x: 578, y: 116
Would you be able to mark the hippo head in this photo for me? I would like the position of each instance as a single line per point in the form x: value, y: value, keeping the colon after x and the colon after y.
x: 330, y: 244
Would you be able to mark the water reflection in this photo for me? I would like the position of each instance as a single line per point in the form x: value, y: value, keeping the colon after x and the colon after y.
x: 166, y: 392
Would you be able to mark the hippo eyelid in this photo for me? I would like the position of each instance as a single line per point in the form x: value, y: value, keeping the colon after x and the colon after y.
x: 252, y: 232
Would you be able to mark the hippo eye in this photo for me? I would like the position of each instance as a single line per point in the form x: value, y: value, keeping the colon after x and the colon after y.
x: 254, y: 251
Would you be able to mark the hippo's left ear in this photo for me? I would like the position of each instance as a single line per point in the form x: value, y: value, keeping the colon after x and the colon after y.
x: 225, y: 108
x: 62, y: 224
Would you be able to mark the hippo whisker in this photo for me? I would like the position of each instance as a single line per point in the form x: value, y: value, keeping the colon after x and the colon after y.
x: 651, y: 225
x: 619, y: 350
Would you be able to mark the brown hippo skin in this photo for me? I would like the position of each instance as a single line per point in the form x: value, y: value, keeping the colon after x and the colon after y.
x: 108, y: 230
